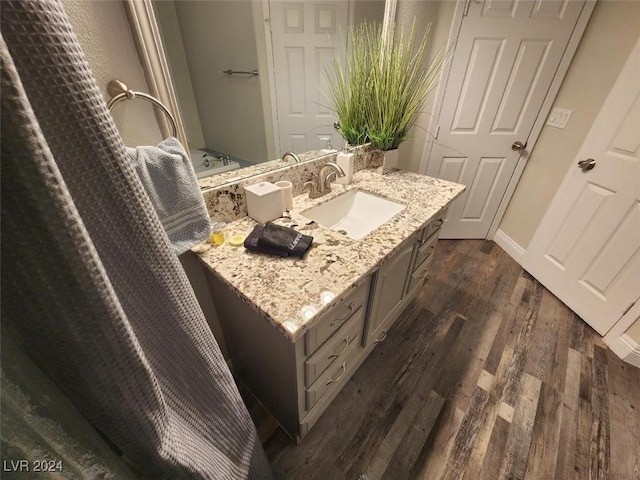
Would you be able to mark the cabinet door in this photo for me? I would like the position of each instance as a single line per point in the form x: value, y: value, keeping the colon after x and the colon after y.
x: 389, y: 289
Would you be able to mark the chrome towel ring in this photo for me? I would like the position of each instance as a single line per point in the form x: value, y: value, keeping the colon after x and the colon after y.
x: 119, y: 92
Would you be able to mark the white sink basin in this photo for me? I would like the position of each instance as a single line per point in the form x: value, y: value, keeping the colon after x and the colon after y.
x: 356, y: 213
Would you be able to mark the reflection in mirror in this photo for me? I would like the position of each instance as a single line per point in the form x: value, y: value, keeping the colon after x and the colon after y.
x: 248, y: 75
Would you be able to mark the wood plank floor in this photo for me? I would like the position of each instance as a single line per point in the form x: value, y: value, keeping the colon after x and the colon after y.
x: 486, y: 375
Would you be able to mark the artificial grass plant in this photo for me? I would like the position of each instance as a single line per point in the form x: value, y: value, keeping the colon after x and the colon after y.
x: 377, y: 90
x: 400, y: 82
x: 349, y: 87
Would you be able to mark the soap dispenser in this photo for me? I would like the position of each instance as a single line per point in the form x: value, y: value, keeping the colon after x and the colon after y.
x: 328, y: 148
x: 345, y: 160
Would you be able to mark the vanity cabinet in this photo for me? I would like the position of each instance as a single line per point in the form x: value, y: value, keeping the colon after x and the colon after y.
x: 424, y: 250
x: 296, y: 381
x: 389, y: 292
x: 398, y: 280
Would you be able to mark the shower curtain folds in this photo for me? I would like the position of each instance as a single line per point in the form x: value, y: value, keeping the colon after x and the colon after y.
x: 89, y: 276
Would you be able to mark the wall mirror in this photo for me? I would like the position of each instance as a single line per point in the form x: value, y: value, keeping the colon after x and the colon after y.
x: 244, y: 77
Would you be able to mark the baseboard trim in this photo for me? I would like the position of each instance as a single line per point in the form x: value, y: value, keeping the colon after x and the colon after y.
x: 509, y: 245
x: 625, y: 347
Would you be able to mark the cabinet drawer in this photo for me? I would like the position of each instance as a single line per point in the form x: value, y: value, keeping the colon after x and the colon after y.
x: 338, y: 315
x: 333, y: 348
x: 425, y: 251
x: 434, y: 226
x: 417, y: 277
x: 333, y: 376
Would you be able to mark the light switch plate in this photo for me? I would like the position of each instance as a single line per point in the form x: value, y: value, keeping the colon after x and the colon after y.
x: 559, y: 117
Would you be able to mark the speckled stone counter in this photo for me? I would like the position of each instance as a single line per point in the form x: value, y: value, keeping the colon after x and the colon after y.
x: 278, y: 288
x: 234, y: 176
x: 224, y: 193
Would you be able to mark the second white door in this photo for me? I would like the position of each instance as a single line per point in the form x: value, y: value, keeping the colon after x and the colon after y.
x: 506, y: 57
x: 587, y: 247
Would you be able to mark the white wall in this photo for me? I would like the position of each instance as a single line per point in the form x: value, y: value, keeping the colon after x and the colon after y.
x: 218, y: 36
x: 371, y: 11
x: 166, y: 17
x: 265, y: 85
x: 609, y: 38
x: 440, y: 14
x: 104, y: 33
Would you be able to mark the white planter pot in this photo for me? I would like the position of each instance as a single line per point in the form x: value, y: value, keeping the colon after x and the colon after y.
x: 390, y: 161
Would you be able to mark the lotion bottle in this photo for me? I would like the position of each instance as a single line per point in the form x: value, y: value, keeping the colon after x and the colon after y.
x: 345, y: 160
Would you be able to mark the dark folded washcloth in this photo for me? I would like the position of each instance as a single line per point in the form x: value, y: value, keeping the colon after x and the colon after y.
x: 278, y: 240
x: 251, y: 243
x: 287, y: 239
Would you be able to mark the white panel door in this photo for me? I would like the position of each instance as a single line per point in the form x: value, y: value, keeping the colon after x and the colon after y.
x: 587, y: 247
x: 306, y: 36
x: 506, y: 56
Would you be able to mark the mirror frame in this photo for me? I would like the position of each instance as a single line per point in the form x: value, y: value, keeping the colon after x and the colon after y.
x: 146, y: 35
x: 148, y: 40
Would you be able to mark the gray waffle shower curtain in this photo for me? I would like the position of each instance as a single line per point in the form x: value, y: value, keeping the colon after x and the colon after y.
x: 89, y: 277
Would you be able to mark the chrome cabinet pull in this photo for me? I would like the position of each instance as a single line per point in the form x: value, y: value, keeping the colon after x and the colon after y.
x: 346, y: 342
x: 382, y: 338
x: 343, y: 367
x: 341, y: 320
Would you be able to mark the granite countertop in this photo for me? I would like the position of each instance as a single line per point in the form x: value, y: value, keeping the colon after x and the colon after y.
x: 278, y: 288
x: 233, y: 176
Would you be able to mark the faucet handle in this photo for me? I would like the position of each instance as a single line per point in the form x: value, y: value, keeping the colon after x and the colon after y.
x: 313, y: 188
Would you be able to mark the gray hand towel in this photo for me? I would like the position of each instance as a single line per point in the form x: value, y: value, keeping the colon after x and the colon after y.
x: 168, y: 177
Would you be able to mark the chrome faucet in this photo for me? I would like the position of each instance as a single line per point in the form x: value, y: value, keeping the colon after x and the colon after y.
x: 321, y: 184
x: 291, y: 154
x: 222, y: 157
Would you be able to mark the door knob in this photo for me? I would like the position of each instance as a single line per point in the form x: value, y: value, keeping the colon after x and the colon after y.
x: 587, y: 164
x: 518, y: 146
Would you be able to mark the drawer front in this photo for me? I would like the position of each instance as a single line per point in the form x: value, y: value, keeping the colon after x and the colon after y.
x: 340, y: 314
x: 333, y: 376
x: 333, y: 348
x: 425, y: 251
x: 434, y: 226
x: 417, y: 277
